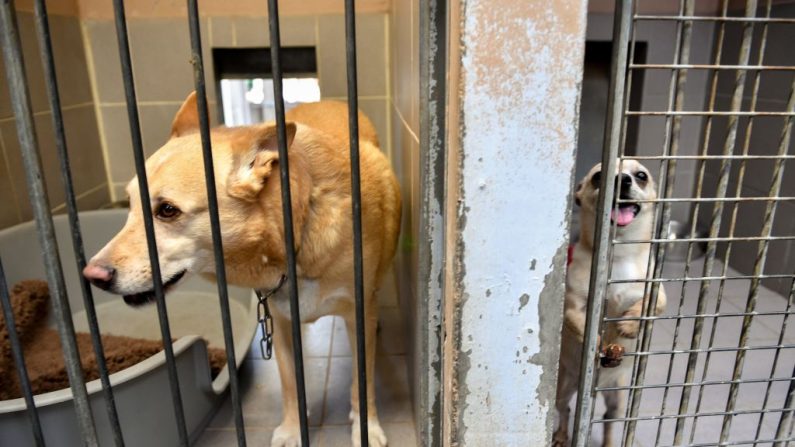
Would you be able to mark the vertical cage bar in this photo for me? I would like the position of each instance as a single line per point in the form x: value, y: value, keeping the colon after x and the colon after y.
x: 598, y: 279
x: 356, y: 202
x: 776, y: 358
x: 287, y: 212
x: 622, y: 155
x: 20, y: 102
x: 695, y: 208
x: 759, y: 263
x: 53, y: 95
x: 19, y: 359
x: 215, y: 223
x: 146, y: 209
x: 657, y: 254
x: 717, y: 214
x: 785, y: 424
x: 735, y: 209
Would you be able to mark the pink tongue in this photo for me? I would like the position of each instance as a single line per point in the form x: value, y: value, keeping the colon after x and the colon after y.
x: 623, y: 216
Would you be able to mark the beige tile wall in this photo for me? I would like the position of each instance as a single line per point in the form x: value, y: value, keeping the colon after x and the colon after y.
x: 93, y: 96
x: 404, y: 104
x: 82, y: 134
x: 135, y: 9
x: 160, y: 50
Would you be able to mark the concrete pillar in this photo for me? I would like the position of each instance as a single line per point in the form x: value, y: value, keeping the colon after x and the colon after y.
x: 515, y: 69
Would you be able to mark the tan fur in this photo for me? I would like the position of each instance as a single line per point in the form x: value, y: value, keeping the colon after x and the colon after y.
x: 630, y: 261
x: 249, y: 194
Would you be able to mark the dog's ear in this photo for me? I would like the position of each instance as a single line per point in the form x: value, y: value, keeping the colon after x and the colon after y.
x: 187, y: 119
x: 252, y: 170
x: 577, y: 194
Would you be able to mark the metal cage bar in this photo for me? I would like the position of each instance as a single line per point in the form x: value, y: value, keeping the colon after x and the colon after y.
x: 683, y: 416
x: 48, y: 63
x: 705, y: 383
x: 19, y: 360
x: 703, y: 350
x: 704, y: 239
x: 761, y: 257
x: 673, y: 126
x: 711, y: 199
x: 20, y: 102
x: 693, y: 18
x: 705, y: 315
x: 713, y: 66
x: 287, y: 211
x: 356, y: 204
x: 776, y: 358
x: 786, y: 416
x: 694, y: 210
x: 702, y: 278
x: 598, y: 281
x: 731, y: 114
x: 622, y: 153
x: 735, y: 208
x: 215, y: 222
x: 146, y: 209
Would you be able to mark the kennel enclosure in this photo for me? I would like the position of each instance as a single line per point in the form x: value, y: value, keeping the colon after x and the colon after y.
x: 15, y: 69
x: 486, y: 152
x: 692, y: 383
x: 434, y: 221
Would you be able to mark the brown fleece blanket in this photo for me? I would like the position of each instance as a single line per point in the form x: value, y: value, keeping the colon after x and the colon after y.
x: 42, y: 347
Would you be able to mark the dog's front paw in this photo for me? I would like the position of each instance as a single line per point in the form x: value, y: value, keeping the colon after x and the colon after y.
x: 375, y: 434
x: 286, y: 435
x: 560, y: 439
x: 628, y: 328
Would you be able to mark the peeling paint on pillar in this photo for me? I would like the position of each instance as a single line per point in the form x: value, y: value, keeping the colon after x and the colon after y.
x: 520, y: 70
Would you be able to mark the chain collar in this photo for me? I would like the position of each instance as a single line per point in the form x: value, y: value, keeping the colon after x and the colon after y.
x: 265, y: 319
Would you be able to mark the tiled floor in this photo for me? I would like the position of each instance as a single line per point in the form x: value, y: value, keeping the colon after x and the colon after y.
x: 764, y: 331
x: 328, y: 374
x: 328, y: 380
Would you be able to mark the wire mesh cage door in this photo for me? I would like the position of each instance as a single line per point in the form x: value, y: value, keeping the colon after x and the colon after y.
x: 713, y: 365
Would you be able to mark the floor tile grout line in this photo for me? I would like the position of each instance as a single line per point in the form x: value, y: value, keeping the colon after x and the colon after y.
x: 328, y: 373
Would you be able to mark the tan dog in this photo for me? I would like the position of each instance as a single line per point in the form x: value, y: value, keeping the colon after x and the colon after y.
x: 249, y: 195
x: 630, y: 261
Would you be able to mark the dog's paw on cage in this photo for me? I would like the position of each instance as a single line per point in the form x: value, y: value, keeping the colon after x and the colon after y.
x: 628, y: 328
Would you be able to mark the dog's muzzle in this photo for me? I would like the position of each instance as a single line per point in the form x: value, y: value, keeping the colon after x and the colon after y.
x: 149, y: 296
x: 625, y: 212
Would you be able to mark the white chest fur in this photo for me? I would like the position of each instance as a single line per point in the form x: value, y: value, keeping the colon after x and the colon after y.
x: 623, y: 295
x: 314, y: 300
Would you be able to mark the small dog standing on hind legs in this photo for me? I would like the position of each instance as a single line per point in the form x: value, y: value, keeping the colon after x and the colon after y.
x: 630, y: 261
x: 246, y: 164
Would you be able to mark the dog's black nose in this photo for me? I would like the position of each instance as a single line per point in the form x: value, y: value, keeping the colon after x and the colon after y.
x: 100, y: 276
x: 626, y: 182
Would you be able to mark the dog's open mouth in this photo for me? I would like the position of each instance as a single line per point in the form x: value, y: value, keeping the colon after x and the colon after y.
x: 624, y: 213
x: 149, y: 296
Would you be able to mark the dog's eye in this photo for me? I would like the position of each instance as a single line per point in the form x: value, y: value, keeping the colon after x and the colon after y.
x: 596, y: 179
x: 167, y: 211
x: 642, y: 176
